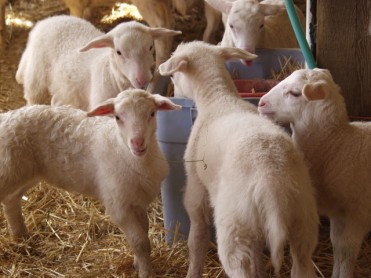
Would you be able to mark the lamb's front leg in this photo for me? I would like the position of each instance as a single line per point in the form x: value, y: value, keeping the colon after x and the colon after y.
x: 196, y: 204
x: 133, y: 221
x: 143, y: 219
x: 13, y: 215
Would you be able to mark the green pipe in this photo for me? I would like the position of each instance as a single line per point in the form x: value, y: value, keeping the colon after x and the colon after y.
x: 299, y: 33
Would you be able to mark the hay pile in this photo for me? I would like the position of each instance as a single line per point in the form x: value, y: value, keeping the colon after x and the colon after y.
x: 69, y: 234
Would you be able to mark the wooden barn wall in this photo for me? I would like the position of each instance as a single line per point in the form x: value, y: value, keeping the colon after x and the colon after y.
x: 344, y: 47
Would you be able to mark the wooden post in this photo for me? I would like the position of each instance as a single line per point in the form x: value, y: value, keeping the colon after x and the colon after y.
x: 344, y: 47
x: 2, y: 24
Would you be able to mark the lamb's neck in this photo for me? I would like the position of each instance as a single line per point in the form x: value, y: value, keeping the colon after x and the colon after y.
x: 320, y: 145
x: 220, y: 90
x: 318, y: 135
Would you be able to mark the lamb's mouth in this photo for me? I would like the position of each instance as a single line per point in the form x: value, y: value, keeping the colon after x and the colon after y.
x: 139, y: 152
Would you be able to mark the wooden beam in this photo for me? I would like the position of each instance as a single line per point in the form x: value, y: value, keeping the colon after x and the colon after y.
x: 344, y: 47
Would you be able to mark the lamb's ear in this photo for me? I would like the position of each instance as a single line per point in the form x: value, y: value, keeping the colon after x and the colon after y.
x: 172, y: 65
x: 164, y: 103
x: 223, y: 6
x: 105, y: 108
x: 314, y: 91
x: 324, y: 71
x: 268, y: 9
x: 162, y: 32
x: 272, y: 2
x: 233, y: 53
x: 99, y: 42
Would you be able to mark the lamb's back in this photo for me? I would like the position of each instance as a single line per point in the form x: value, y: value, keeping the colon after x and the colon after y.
x: 58, y: 141
x: 235, y: 139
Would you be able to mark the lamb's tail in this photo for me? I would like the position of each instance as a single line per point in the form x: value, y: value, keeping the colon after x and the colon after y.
x: 277, y: 234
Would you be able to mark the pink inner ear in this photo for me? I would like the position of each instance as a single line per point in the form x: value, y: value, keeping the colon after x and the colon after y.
x: 165, y: 106
x: 319, y: 94
x: 314, y: 91
x: 103, y: 111
x: 98, y: 46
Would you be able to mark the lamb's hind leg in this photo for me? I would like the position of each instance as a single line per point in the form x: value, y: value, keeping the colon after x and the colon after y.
x: 346, y: 238
x: 42, y: 97
x: 213, y: 19
x: 303, y: 240
x: 239, y: 246
x: 13, y: 215
x: 36, y: 89
x: 302, y: 247
x: 197, y: 207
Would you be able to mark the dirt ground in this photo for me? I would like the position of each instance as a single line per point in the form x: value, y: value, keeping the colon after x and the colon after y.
x: 70, y: 236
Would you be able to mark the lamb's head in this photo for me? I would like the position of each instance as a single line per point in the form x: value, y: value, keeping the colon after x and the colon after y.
x: 192, y: 64
x: 132, y: 50
x: 244, y: 22
x: 301, y: 96
x: 135, y: 114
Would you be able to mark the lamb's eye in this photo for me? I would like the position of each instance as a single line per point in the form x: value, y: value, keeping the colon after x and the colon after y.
x: 153, y: 114
x: 118, y: 52
x: 231, y: 26
x: 295, y: 94
x: 150, y: 48
x: 117, y: 118
x: 261, y: 26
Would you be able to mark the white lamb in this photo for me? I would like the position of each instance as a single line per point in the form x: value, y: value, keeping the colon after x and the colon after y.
x: 251, y: 172
x: 157, y: 13
x: 338, y: 153
x: 114, y: 159
x: 250, y: 24
x: 55, y: 64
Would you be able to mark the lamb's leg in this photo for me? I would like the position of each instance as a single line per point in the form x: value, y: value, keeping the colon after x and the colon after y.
x: 77, y: 9
x: 301, y: 248
x: 197, y: 207
x: 237, y: 244
x: 303, y: 239
x: 213, y: 18
x: 69, y: 98
x: 158, y: 14
x: 346, y: 238
x: 13, y: 215
x: 144, y: 222
x: 258, y: 259
x: 87, y: 13
x: 133, y: 221
x: 36, y: 96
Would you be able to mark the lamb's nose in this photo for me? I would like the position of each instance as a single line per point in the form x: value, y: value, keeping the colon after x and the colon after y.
x: 137, y: 142
x: 142, y: 82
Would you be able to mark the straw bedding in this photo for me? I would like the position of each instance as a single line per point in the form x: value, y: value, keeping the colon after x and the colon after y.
x: 70, y: 236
